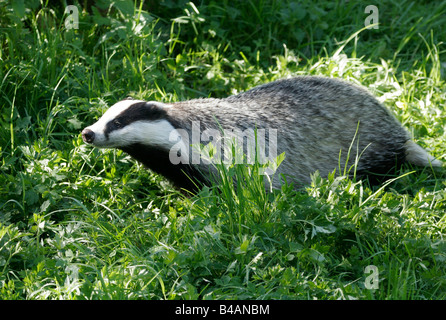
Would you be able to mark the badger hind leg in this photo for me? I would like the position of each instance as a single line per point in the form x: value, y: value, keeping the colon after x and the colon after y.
x: 416, y: 155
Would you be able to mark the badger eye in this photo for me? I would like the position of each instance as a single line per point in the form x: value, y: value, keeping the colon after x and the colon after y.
x: 117, y: 124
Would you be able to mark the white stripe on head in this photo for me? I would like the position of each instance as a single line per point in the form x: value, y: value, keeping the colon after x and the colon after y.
x: 110, y: 114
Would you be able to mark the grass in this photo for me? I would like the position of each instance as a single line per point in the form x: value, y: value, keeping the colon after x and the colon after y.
x: 82, y: 223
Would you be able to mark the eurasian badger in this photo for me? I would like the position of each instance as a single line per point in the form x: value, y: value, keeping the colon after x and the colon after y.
x: 318, y: 122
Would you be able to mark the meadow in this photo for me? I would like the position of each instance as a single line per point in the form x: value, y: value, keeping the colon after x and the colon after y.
x: 82, y: 223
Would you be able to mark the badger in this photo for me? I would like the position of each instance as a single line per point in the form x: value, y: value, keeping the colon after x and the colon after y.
x: 319, y: 123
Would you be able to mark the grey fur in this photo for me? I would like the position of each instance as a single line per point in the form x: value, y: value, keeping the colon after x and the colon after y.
x: 316, y: 120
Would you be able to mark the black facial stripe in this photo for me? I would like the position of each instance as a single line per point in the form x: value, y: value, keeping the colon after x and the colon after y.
x: 182, y: 175
x: 136, y: 112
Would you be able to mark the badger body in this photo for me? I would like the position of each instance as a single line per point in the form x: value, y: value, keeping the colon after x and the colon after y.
x: 320, y: 124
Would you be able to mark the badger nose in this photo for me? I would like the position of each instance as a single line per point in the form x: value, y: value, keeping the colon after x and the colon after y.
x: 88, y: 135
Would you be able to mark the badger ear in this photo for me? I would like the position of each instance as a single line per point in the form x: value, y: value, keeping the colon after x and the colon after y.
x: 128, y: 98
x: 148, y: 110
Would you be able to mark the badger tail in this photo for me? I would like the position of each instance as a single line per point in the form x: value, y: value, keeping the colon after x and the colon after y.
x: 416, y: 155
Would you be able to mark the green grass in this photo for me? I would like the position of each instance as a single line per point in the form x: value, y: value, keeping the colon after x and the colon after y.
x: 82, y: 223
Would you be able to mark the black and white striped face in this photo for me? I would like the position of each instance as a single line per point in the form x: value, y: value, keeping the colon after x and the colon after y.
x: 130, y: 122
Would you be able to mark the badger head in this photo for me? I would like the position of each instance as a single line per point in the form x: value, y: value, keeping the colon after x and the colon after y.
x: 144, y: 130
x: 131, y: 122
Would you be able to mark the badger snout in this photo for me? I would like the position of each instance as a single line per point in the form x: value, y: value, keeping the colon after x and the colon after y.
x: 88, y: 135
